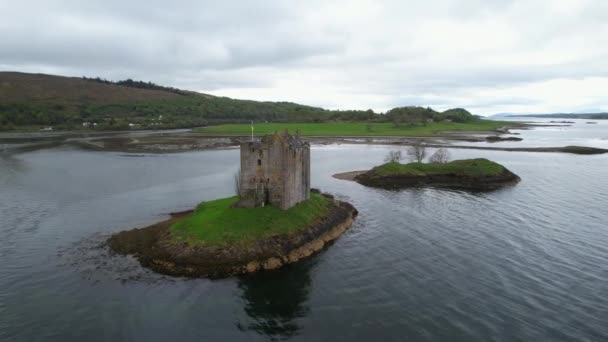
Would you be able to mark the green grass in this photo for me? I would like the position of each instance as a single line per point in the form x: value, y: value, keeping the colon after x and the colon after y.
x: 466, y: 167
x: 353, y: 128
x: 217, y: 223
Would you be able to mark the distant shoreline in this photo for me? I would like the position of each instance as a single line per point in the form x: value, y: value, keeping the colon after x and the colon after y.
x: 589, y: 116
x: 176, y: 141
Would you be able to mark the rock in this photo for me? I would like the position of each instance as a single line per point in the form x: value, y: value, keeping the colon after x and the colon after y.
x: 496, y: 138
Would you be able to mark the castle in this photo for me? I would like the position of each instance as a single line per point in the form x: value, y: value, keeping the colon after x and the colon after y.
x: 275, y: 171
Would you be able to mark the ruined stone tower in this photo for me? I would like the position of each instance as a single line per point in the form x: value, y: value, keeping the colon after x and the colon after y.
x: 275, y: 171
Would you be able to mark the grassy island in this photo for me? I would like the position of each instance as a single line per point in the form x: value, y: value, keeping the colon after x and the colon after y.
x: 466, y: 167
x: 217, y: 239
x: 468, y: 174
x: 218, y: 223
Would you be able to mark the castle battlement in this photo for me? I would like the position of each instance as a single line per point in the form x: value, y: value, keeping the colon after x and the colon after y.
x: 275, y: 171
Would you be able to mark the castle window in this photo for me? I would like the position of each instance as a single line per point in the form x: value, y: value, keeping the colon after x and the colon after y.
x: 259, y: 162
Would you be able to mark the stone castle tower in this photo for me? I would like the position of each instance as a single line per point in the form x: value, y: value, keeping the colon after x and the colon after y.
x: 275, y: 171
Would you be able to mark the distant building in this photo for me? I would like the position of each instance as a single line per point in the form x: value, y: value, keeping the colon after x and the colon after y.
x: 275, y: 171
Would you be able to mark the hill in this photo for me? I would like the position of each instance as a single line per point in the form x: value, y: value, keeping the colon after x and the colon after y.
x: 18, y: 87
x: 67, y: 102
x: 34, y: 100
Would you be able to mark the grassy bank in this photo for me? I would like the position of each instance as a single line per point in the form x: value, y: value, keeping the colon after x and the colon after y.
x: 466, y: 167
x: 354, y: 128
x: 218, y: 223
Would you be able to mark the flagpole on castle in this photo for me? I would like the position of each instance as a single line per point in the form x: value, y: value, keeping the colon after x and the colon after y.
x: 251, y: 131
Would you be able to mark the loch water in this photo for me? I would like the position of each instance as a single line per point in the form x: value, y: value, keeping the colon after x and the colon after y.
x: 525, y: 263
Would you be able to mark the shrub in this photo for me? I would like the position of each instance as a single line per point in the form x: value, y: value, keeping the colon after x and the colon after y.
x: 393, y: 157
x: 441, y: 156
x: 417, y: 152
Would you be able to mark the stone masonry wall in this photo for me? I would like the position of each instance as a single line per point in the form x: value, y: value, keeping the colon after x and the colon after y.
x: 274, y: 172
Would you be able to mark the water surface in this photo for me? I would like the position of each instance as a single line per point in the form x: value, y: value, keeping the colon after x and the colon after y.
x: 555, y: 134
x: 524, y: 263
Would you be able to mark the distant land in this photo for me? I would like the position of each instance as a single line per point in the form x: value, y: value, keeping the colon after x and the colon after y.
x: 595, y: 116
x: 33, y: 101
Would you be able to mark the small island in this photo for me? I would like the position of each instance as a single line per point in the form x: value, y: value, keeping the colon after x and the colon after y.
x: 495, y: 138
x: 276, y: 219
x: 469, y: 174
x: 219, y: 240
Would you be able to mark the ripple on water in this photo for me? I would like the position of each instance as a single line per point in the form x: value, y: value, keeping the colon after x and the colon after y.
x: 523, y: 263
x: 95, y: 262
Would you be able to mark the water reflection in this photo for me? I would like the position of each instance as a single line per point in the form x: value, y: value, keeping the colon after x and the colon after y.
x: 274, y: 301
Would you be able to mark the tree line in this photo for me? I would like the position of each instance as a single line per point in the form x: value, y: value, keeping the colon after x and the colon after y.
x: 193, y: 110
x: 196, y: 111
x: 138, y: 84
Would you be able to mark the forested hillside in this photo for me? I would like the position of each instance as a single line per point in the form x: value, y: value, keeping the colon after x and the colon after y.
x: 32, y: 100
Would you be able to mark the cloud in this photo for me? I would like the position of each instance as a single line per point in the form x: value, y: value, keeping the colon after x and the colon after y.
x: 486, y: 55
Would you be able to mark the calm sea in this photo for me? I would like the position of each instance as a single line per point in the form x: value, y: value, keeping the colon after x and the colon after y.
x: 527, y: 263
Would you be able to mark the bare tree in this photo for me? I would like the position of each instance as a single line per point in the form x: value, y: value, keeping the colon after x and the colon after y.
x: 417, y: 152
x: 393, y: 157
x: 237, y: 182
x: 441, y: 156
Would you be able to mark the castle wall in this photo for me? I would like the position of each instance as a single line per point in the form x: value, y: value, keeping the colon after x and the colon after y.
x: 291, y: 192
x: 253, y: 174
x: 276, y: 165
x: 297, y: 175
x: 274, y: 171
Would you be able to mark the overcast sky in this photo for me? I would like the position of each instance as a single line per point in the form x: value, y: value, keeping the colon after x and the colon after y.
x: 489, y: 56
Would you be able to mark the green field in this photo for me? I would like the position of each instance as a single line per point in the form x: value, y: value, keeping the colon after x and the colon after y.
x: 217, y: 223
x: 466, y: 167
x: 354, y: 128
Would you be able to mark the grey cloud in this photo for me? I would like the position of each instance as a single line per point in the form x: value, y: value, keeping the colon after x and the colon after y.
x: 135, y: 35
x: 366, y: 53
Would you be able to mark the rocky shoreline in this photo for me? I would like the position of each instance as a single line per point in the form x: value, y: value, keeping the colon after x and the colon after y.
x: 496, y: 138
x: 155, y: 249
